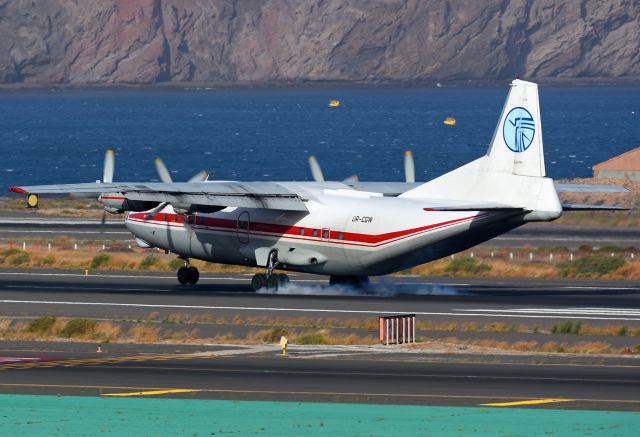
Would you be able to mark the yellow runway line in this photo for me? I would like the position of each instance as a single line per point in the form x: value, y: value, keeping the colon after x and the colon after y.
x: 151, y: 392
x: 529, y: 402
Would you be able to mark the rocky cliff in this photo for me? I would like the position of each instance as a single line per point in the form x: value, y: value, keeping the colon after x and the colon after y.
x: 240, y: 41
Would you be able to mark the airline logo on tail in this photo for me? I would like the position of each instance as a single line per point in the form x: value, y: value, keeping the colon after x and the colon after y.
x: 518, y: 129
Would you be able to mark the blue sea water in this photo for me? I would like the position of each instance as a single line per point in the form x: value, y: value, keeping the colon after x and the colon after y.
x: 267, y: 134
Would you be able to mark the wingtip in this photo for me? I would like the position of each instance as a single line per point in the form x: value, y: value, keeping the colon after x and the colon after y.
x: 18, y: 190
x: 407, y: 152
x: 109, y: 152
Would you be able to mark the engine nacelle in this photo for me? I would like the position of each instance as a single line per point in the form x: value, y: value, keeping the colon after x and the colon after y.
x: 116, y: 203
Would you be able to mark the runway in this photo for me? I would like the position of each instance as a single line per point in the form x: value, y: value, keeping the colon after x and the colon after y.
x: 131, y: 296
x: 326, y: 374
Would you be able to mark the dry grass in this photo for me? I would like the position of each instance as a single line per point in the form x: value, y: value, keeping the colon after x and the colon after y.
x: 38, y: 256
x: 581, y: 347
x: 306, y: 331
x: 143, y: 333
x: 107, y: 331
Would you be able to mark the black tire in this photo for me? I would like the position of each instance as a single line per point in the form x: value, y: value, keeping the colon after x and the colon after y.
x: 194, y: 276
x: 273, y: 281
x: 258, y: 281
x: 183, y: 275
x: 283, y: 279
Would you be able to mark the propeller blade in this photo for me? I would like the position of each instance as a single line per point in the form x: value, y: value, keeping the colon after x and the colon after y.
x: 199, y: 177
x: 316, y: 171
x: 155, y: 210
x: 163, y: 171
x: 109, y: 165
x: 352, y: 178
x: 409, y: 168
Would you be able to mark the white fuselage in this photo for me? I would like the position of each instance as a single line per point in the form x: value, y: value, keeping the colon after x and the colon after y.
x: 345, y: 232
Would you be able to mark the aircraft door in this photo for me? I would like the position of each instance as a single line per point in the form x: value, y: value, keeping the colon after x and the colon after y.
x: 243, y: 227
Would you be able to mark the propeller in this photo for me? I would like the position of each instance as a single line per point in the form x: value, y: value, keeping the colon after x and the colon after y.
x: 199, y: 177
x: 409, y: 168
x: 163, y: 171
x: 109, y: 167
x: 316, y: 171
x: 165, y: 175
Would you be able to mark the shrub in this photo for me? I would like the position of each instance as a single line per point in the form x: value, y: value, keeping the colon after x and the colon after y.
x: 466, y: 265
x: 41, y: 324
x: 568, y: 327
x: 591, y: 265
x: 149, y: 262
x: 48, y: 260
x: 599, y: 264
x: 23, y: 258
x: 313, y: 338
x: 12, y: 251
x: 100, y: 260
x: 78, y: 328
x: 175, y: 264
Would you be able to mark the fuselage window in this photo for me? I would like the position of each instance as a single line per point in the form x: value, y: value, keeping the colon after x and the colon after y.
x: 166, y: 217
x: 325, y: 234
x: 301, y: 231
x: 340, y: 236
x: 314, y: 232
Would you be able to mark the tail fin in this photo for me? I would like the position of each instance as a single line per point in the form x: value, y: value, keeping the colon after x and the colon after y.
x: 516, y: 147
x: 512, y: 172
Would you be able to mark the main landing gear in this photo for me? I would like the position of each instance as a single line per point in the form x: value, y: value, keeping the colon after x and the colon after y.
x: 188, y: 274
x: 269, y: 280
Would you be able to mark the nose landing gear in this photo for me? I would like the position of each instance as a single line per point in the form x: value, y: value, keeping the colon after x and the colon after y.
x: 269, y: 280
x: 188, y: 274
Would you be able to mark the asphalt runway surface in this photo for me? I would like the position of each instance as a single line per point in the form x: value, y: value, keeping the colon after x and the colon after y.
x: 131, y: 296
x: 325, y: 374
x: 15, y: 225
x: 365, y: 374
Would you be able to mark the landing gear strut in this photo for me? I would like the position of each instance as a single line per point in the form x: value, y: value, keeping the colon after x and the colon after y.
x: 270, y: 280
x: 188, y: 274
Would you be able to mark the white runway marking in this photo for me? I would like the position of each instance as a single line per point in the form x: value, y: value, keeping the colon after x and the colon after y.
x: 465, y: 313
x: 573, y: 311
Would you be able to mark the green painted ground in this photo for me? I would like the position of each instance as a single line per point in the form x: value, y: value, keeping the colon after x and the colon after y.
x: 22, y: 415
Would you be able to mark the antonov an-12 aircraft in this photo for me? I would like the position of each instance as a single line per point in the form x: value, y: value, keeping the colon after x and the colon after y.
x: 348, y: 230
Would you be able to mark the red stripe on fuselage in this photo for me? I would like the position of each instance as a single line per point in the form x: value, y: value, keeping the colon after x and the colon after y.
x: 294, y: 232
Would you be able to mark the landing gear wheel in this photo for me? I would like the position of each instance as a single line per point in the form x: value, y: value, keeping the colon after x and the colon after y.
x: 258, y: 281
x: 194, y: 275
x: 283, y: 280
x: 183, y: 275
x: 273, y: 281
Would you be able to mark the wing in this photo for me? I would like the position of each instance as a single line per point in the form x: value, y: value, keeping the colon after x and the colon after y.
x: 187, y: 195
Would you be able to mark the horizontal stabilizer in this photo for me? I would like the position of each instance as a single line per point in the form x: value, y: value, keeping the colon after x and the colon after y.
x: 589, y: 188
x: 579, y: 207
